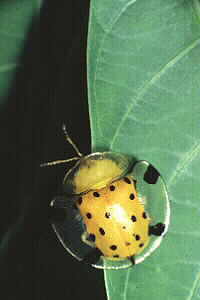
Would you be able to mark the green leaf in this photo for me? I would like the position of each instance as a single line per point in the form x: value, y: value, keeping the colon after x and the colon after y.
x: 15, y: 18
x: 144, y: 99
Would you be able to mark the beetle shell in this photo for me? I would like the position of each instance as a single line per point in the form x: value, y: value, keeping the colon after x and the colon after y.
x: 115, y: 219
x: 95, y: 171
x: 109, y: 227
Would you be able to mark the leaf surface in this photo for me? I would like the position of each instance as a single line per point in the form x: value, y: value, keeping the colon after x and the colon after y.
x: 15, y: 18
x: 144, y: 92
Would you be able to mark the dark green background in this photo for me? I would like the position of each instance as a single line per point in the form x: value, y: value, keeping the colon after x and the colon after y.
x: 49, y: 88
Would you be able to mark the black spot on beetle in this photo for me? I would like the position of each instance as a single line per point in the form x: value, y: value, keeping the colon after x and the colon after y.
x: 96, y: 194
x: 113, y: 247
x: 137, y: 237
x: 107, y: 215
x: 132, y: 196
x: 102, y: 231
x: 157, y: 229
x: 141, y: 245
x: 89, y: 215
x: 112, y: 188
x: 91, y: 237
x: 144, y: 215
x: 133, y: 218
x: 132, y: 259
x: 80, y: 200
x: 127, y: 180
x: 127, y: 243
x: 116, y: 255
x: 151, y: 175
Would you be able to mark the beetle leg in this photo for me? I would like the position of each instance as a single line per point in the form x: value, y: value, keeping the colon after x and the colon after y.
x: 157, y: 229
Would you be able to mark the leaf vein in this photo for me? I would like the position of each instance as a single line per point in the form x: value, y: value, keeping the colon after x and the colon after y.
x: 184, y: 163
x: 195, y: 287
x: 152, y: 81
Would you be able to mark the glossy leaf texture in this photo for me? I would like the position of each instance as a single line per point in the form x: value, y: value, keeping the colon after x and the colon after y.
x: 15, y: 19
x: 144, y: 91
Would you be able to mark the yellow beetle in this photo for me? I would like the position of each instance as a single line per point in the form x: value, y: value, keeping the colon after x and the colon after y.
x: 104, y: 215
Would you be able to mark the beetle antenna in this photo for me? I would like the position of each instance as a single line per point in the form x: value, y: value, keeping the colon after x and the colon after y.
x: 69, y: 140
x: 57, y: 162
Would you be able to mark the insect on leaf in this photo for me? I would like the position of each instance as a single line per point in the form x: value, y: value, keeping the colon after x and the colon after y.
x: 143, y: 78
